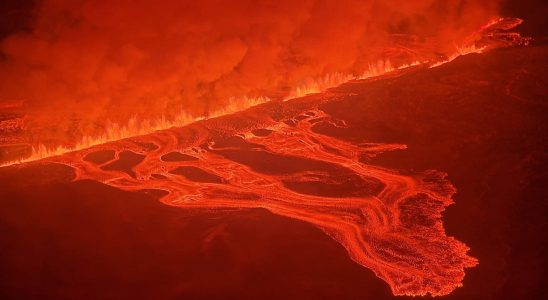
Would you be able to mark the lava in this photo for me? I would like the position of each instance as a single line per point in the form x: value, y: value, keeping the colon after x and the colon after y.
x: 271, y: 158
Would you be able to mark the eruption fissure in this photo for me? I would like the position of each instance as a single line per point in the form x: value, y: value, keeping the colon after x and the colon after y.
x: 135, y: 127
x: 81, y: 129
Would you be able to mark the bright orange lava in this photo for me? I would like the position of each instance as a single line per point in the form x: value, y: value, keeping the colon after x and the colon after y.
x: 387, y: 221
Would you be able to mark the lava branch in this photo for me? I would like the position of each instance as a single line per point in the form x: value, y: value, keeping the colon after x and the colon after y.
x: 387, y: 222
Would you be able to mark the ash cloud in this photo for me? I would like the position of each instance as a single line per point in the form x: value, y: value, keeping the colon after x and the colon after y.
x: 84, y: 62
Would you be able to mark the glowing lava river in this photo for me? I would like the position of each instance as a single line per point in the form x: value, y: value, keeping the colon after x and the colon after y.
x: 272, y: 157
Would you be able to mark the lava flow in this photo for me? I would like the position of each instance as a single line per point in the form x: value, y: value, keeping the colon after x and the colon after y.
x: 271, y: 157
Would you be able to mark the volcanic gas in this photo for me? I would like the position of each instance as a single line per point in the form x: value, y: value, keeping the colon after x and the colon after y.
x: 89, y: 72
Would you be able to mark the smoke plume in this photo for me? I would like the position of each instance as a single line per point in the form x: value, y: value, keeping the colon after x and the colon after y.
x: 84, y: 62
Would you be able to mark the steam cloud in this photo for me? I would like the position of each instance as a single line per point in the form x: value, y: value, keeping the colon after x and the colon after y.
x: 85, y: 62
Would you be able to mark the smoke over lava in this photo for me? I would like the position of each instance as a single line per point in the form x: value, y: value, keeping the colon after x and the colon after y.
x: 85, y: 65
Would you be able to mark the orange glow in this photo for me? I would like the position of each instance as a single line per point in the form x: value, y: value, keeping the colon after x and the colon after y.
x: 254, y: 104
x: 295, y: 172
x: 134, y: 127
x: 89, y: 71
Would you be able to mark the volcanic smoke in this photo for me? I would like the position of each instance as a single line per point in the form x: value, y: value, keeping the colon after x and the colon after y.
x: 87, y: 72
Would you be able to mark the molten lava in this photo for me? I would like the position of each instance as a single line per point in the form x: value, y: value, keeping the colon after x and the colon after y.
x: 271, y: 157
